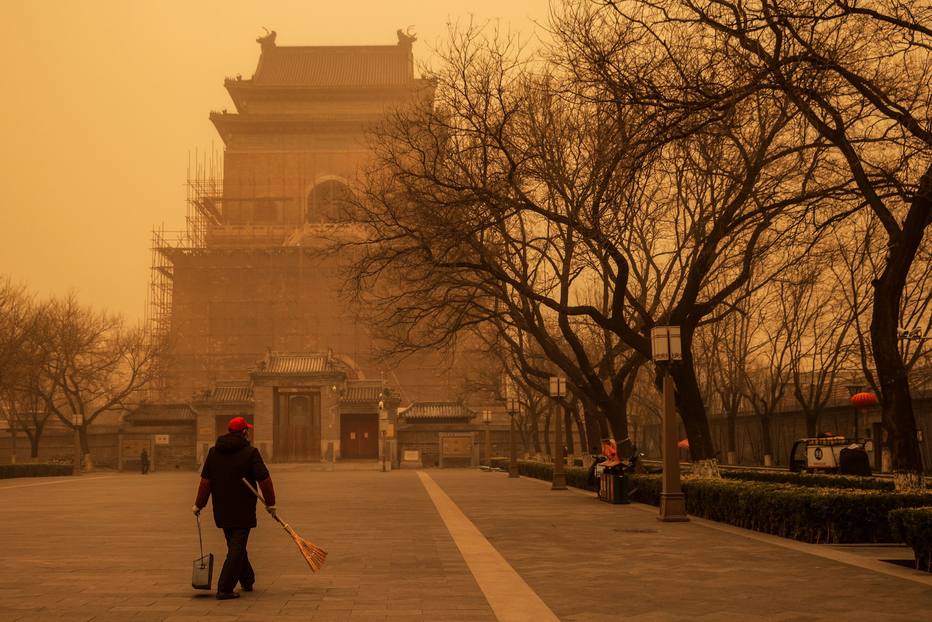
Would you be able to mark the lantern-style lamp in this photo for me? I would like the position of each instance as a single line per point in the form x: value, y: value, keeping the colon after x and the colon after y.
x: 864, y: 399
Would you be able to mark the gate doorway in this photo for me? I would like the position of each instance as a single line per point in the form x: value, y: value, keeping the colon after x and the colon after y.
x: 297, y: 427
x: 359, y: 435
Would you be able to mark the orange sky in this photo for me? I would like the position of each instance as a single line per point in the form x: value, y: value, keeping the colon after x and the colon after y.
x: 103, y: 101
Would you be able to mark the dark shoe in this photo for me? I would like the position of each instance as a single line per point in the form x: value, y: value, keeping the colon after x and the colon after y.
x: 227, y: 595
x: 247, y: 588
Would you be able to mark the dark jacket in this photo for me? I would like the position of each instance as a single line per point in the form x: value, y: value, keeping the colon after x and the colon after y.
x: 227, y: 463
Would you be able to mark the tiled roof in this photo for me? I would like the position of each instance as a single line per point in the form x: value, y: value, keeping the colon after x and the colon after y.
x: 234, y: 393
x: 433, y: 411
x: 302, y: 363
x: 362, y: 392
x: 335, y: 66
x: 162, y: 412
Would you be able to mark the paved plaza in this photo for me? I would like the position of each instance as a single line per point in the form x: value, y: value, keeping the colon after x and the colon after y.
x: 429, y: 545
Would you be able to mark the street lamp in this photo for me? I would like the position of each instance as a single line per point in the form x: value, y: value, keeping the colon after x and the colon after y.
x: 666, y: 350
x: 514, y: 407
x: 487, y: 420
x: 557, y: 390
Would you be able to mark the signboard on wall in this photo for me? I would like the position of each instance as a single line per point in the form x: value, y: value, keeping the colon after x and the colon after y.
x: 162, y: 439
x: 456, y: 446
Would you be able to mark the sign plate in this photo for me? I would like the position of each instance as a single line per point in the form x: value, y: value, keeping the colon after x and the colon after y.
x: 162, y: 439
x: 457, y: 446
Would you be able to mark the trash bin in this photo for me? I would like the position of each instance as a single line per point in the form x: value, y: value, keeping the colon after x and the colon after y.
x: 614, y: 488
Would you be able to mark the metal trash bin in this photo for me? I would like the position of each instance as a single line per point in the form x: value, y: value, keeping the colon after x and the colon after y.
x: 614, y: 488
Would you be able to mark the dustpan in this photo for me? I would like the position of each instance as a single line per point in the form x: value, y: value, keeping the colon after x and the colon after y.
x: 203, y: 568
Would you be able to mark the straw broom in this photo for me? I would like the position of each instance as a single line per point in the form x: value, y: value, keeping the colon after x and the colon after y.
x: 312, y: 554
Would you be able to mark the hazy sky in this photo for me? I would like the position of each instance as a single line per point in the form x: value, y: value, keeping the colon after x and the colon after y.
x: 105, y: 99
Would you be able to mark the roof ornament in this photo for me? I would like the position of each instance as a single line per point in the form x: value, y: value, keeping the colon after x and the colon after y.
x: 268, y: 41
x: 406, y: 37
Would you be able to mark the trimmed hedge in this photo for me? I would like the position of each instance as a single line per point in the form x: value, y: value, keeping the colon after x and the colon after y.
x: 809, y: 480
x: 914, y: 527
x: 810, y: 514
x: 34, y: 470
x: 776, y: 477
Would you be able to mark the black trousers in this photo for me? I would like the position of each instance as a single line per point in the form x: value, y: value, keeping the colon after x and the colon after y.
x: 236, y: 567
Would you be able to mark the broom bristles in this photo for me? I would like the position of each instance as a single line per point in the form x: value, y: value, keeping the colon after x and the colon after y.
x: 312, y: 554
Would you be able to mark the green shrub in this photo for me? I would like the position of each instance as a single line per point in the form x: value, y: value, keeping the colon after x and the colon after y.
x: 914, y: 527
x: 810, y: 481
x: 34, y: 470
x: 819, y: 515
x: 806, y: 513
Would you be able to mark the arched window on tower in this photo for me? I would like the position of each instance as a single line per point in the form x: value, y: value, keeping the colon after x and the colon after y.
x: 328, y: 201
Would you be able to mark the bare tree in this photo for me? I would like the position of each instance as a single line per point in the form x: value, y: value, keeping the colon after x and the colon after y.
x: 513, y: 196
x: 819, y: 329
x: 857, y: 74
x: 96, y: 365
x: 766, y: 378
x: 23, y: 333
x: 723, y: 351
x: 482, y: 207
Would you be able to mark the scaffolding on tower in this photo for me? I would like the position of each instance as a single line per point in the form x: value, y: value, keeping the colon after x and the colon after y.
x: 204, y: 191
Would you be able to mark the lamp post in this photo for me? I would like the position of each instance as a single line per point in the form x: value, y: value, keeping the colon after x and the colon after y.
x: 666, y: 349
x: 383, y: 434
x: 487, y: 420
x: 513, y: 407
x: 558, y: 389
x: 76, y: 420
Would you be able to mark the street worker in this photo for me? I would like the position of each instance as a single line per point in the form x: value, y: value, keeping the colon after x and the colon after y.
x: 230, y: 460
x: 144, y: 461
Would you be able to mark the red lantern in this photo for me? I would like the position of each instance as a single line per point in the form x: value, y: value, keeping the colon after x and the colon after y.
x: 864, y: 399
x: 683, y: 444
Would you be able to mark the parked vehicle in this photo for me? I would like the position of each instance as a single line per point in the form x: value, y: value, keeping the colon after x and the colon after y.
x: 830, y: 454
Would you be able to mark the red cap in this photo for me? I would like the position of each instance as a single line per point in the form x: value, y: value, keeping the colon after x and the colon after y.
x: 238, y: 424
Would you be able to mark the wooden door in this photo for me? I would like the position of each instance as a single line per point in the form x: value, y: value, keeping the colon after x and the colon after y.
x: 359, y: 435
x: 298, y: 427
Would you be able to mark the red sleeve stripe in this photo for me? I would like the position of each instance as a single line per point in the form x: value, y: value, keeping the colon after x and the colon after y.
x: 268, y: 491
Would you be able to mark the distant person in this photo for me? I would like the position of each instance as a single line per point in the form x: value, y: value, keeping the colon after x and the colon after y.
x: 230, y: 460
x: 144, y: 461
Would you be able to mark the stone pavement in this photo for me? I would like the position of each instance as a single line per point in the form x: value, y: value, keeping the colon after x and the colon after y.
x: 120, y: 547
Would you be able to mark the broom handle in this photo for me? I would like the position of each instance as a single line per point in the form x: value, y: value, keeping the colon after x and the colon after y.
x: 259, y: 497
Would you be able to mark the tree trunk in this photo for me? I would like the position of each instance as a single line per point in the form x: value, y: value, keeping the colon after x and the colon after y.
x: 731, y: 437
x: 812, y: 422
x: 594, y: 424
x: 692, y: 411
x: 568, y: 432
x: 897, y: 405
x: 535, y: 435
x: 85, y: 448
x: 766, y: 442
x: 617, y: 418
x: 581, y: 431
